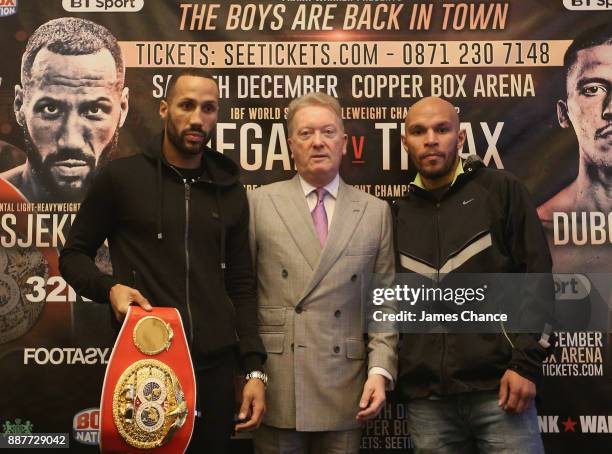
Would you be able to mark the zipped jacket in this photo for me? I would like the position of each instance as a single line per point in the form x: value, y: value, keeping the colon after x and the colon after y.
x: 484, y: 223
x: 182, y: 244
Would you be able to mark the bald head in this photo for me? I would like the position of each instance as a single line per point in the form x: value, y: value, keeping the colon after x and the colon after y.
x: 433, y: 106
x: 433, y: 140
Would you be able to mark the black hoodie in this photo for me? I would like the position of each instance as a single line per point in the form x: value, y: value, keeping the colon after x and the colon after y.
x: 181, y: 244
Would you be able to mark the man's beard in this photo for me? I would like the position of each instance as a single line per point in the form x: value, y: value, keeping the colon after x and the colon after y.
x: 48, y: 184
x: 177, y: 138
x: 441, y: 172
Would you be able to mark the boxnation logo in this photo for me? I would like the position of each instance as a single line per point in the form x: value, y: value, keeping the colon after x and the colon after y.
x: 8, y: 7
x: 86, y: 426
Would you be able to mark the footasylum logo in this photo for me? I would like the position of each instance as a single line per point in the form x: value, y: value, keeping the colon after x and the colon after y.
x: 66, y: 355
x: 86, y: 426
x: 17, y: 427
x: 8, y: 7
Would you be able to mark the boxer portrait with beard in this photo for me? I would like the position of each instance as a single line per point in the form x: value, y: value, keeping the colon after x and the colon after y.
x: 70, y: 105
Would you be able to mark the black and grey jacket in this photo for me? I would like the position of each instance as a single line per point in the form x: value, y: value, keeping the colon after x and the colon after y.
x: 181, y: 244
x: 484, y: 223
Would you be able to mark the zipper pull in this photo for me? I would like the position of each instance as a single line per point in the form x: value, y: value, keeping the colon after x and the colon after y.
x: 187, y: 191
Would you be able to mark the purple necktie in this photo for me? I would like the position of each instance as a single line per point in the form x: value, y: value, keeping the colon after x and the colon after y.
x: 319, y: 216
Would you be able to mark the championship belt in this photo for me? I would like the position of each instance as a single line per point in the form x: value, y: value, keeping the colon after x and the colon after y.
x: 22, y: 270
x: 148, y: 396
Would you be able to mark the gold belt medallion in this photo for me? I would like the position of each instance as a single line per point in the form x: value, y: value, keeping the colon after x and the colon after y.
x: 148, y: 404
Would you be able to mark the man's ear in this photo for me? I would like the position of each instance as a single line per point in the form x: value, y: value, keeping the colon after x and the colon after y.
x: 461, y: 139
x: 18, y: 105
x: 403, y: 139
x: 163, y: 109
x: 562, y: 114
x: 124, y: 105
x: 290, y: 143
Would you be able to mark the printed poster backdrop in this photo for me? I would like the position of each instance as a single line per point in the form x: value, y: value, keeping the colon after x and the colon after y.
x: 499, y: 62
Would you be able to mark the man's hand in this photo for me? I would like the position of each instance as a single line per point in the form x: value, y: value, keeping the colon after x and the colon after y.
x: 373, y: 397
x: 516, y: 393
x: 121, y: 296
x: 253, y: 405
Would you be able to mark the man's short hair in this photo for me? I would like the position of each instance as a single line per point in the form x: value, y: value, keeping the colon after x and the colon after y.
x: 193, y: 72
x: 318, y: 99
x: 71, y: 36
x: 602, y: 34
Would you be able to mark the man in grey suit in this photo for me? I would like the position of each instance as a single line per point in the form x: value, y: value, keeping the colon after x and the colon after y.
x: 316, y: 242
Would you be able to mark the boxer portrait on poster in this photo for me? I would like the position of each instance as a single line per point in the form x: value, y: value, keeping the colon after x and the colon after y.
x: 70, y: 105
x: 576, y: 217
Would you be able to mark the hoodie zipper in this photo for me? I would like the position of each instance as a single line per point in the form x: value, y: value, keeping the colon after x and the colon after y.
x: 187, y: 271
x: 443, y: 378
x: 187, y: 187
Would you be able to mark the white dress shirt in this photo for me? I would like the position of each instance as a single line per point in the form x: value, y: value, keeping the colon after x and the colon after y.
x: 329, y: 200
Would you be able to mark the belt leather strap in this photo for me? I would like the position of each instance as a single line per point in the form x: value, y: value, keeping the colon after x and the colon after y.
x: 149, y: 392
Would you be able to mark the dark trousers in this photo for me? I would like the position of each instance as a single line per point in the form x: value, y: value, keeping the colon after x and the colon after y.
x: 216, y: 402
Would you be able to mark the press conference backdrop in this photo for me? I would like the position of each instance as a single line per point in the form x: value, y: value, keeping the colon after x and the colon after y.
x: 499, y: 62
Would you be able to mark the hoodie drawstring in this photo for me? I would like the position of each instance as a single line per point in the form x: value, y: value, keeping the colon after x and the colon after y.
x: 160, y: 199
x: 220, y: 218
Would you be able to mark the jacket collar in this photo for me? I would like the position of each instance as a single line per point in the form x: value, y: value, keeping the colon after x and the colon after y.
x: 464, y: 172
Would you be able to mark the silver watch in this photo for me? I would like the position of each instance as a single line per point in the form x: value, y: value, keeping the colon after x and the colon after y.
x: 258, y: 374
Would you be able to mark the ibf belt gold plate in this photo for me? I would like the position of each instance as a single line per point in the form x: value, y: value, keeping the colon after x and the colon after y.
x: 148, y: 404
x: 152, y: 335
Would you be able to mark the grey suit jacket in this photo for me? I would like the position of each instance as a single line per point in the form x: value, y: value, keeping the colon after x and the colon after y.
x: 309, y: 303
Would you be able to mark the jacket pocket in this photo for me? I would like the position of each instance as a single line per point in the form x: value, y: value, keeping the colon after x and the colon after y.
x: 273, y: 342
x: 355, y: 349
x: 271, y: 316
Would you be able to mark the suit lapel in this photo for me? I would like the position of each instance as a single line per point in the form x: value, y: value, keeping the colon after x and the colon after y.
x: 293, y: 210
x: 348, y: 211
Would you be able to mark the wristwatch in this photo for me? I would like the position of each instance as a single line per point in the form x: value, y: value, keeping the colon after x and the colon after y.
x: 258, y: 374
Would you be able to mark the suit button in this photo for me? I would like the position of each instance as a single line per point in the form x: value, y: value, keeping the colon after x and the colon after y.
x: 285, y: 273
x: 354, y: 277
x: 337, y: 314
x: 299, y: 309
x: 336, y: 349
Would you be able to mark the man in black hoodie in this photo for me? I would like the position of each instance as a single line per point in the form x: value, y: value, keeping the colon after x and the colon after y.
x: 176, y: 220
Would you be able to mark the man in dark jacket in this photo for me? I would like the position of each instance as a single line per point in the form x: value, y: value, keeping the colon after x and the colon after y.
x: 467, y: 392
x: 176, y: 220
